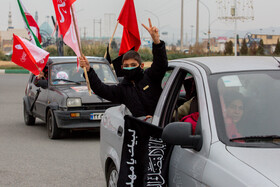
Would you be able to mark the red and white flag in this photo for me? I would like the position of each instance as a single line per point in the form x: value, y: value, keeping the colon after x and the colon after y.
x: 28, y: 55
x: 66, y: 25
x: 128, y: 19
x: 31, y: 25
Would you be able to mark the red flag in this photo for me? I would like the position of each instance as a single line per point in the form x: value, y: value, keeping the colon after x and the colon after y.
x: 28, y: 55
x: 63, y: 14
x: 66, y: 23
x: 128, y: 19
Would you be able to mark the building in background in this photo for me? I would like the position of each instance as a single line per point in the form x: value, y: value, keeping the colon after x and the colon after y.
x: 6, y: 37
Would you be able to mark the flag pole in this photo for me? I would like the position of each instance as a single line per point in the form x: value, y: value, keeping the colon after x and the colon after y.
x: 79, y: 44
x: 112, y: 38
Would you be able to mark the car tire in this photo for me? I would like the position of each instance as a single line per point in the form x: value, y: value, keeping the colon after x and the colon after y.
x: 29, y: 120
x: 112, y: 176
x: 53, y: 131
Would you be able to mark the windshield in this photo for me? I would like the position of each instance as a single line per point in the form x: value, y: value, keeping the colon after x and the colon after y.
x: 66, y: 73
x: 246, y: 106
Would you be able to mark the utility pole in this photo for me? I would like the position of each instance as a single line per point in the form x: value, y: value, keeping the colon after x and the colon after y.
x: 186, y: 39
x: 182, y: 24
x: 108, y: 18
x: 100, y: 29
x: 93, y: 30
x: 197, y: 22
x: 235, y: 27
x: 98, y: 21
x: 85, y: 33
x: 208, y: 43
x: 235, y: 12
x: 191, y: 34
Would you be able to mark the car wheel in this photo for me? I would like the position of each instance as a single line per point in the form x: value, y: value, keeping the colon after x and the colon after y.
x: 53, y: 131
x: 28, y: 119
x: 112, y: 176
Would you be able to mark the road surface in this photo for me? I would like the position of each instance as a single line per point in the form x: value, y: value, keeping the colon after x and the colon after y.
x: 29, y: 158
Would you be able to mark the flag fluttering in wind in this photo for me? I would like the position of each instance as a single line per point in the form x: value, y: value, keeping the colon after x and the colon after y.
x: 65, y: 20
x: 67, y: 24
x: 128, y: 20
x: 31, y: 25
x: 28, y: 55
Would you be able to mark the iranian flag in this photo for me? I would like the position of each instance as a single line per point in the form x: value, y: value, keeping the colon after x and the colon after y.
x: 28, y: 55
x: 66, y: 25
x: 31, y: 25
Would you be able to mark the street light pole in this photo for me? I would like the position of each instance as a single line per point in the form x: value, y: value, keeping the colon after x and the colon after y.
x: 191, y: 34
x: 208, y: 43
x: 197, y: 22
x: 233, y: 14
x: 182, y: 23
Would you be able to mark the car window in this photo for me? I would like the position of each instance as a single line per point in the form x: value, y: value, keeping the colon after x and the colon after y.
x: 166, y: 77
x: 67, y: 73
x: 181, y: 102
x: 32, y: 78
x: 247, y: 104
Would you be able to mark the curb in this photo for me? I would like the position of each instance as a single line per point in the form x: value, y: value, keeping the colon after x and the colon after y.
x: 14, y: 71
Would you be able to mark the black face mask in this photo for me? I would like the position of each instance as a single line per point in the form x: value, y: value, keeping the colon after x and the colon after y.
x: 133, y: 74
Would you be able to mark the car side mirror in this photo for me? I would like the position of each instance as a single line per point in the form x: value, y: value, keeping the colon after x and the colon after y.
x: 43, y: 84
x: 180, y: 133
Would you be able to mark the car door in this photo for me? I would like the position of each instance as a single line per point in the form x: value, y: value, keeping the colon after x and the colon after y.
x: 186, y: 165
x: 41, y: 101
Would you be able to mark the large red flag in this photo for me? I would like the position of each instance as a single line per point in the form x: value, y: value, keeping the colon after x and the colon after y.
x: 28, y: 55
x: 65, y: 23
x: 128, y: 19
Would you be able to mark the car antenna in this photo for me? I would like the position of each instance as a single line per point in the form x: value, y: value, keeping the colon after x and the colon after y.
x: 250, y: 42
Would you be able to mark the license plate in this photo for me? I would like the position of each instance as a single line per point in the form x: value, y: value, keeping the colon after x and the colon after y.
x: 96, y: 116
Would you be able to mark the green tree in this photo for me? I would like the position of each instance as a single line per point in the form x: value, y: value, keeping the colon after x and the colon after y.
x: 2, y: 56
x: 52, y: 49
x: 114, y: 45
x: 261, y: 48
x: 277, y: 48
x: 228, y: 48
x: 244, y: 48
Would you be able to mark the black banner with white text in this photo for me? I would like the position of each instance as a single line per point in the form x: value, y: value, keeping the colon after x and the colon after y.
x: 145, y: 158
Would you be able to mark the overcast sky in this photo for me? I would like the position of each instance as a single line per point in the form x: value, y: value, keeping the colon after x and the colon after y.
x: 164, y: 13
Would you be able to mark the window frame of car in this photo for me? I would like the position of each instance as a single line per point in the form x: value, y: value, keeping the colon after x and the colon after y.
x: 204, y: 101
x: 199, y: 75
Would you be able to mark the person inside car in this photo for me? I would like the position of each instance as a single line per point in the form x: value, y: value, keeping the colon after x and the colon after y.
x: 234, y: 111
x: 42, y: 79
x: 191, y: 105
x: 140, y: 90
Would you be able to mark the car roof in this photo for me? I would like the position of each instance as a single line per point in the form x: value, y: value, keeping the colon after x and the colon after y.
x: 61, y: 59
x: 221, y: 64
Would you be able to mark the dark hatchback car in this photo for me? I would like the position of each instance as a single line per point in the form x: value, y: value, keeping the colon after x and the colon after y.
x: 64, y: 102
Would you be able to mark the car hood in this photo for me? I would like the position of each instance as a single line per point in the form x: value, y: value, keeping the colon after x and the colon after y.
x: 81, y: 92
x: 264, y: 160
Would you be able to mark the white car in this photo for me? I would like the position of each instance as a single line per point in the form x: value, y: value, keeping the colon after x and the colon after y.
x: 236, y: 140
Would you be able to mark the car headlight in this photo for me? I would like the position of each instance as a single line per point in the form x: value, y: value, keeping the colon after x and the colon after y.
x: 74, y: 102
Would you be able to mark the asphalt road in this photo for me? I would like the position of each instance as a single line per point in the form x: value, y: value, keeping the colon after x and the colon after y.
x: 29, y: 158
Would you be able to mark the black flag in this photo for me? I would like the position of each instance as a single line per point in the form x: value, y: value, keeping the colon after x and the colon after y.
x: 108, y: 57
x: 145, y: 158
